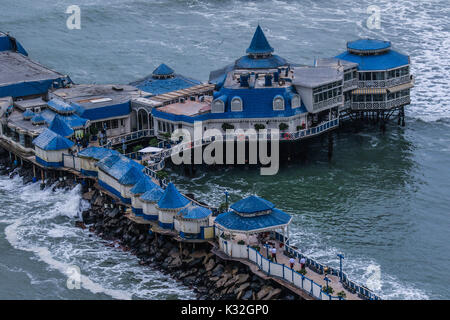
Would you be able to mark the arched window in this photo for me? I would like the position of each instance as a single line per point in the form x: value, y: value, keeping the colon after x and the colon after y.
x: 278, y: 103
x: 218, y: 106
x: 236, y: 104
x: 295, y: 102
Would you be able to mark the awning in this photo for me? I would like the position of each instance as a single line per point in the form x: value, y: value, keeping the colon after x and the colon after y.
x: 401, y: 87
x: 369, y: 91
x: 150, y: 150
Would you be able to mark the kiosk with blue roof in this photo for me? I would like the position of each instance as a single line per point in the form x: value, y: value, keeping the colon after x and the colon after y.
x: 171, y: 202
x: 190, y: 222
x: 142, y: 186
x: 149, y: 200
x: 50, y: 147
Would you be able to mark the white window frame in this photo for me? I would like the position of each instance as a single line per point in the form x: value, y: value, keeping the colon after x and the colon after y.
x: 296, y: 96
x: 215, y: 108
x: 278, y: 97
x: 239, y: 107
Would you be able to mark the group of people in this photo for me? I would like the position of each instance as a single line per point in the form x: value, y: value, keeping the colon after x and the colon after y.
x: 273, y: 257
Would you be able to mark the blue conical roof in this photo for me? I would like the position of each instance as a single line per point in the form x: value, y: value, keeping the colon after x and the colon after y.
x: 252, y: 204
x: 153, y: 195
x: 51, y: 141
x: 163, y: 70
x: 259, y: 43
x: 144, y: 184
x: 172, y: 198
x: 60, y: 127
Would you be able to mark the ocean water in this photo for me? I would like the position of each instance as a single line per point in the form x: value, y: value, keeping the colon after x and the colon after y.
x: 383, y: 201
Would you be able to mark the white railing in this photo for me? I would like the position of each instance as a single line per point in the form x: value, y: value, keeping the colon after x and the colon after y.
x: 384, y: 83
x: 381, y: 104
x: 129, y: 137
x: 274, y: 269
x: 327, y: 103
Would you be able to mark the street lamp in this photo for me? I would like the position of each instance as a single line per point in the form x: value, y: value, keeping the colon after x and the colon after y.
x: 327, y: 280
x: 341, y: 257
x: 226, y: 200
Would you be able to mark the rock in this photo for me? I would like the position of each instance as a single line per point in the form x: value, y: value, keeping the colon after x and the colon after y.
x: 207, y: 258
x: 217, y: 271
x: 263, y: 292
x: 88, y: 195
x: 210, y: 265
x: 113, y: 212
x: 241, y: 288
x: 247, y: 295
x: 199, y: 254
x: 241, y: 278
x: 80, y: 224
x: 273, y: 294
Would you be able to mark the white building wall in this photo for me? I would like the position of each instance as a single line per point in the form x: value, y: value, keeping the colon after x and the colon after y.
x: 149, y: 208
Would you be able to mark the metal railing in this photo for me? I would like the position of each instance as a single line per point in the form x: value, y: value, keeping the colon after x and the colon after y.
x: 377, y: 105
x: 349, y: 285
x: 129, y: 137
x: 274, y: 269
x: 384, y: 83
x: 327, y: 103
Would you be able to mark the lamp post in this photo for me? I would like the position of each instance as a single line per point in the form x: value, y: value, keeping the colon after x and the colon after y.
x: 341, y: 257
x: 226, y: 200
x: 327, y: 280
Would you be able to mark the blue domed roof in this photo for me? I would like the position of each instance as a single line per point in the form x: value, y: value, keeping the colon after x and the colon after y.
x: 132, y: 176
x: 259, y: 44
x: 172, y: 198
x: 38, y: 119
x: 194, y: 212
x: 368, y: 45
x: 163, y: 70
x: 252, y: 204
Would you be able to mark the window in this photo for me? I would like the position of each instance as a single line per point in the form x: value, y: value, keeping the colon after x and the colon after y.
x: 295, y: 102
x: 114, y: 124
x: 278, y: 103
x: 236, y: 104
x: 218, y: 106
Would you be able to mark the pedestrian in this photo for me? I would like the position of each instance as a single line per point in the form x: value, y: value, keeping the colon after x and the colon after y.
x: 274, y: 254
x: 292, y: 262
x: 302, y: 263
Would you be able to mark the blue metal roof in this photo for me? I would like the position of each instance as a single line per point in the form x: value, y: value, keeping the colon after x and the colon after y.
x: 257, y: 103
x: 97, y: 153
x: 161, y: 86
x: 51, y: 141
x: 273, y: 61
x: 144, y: 184
x: 132, y: 176
x: 259, y: 43
x: 104, y: 112
x: 384, y: 61
x: 153, y: 195
x: 60, y: 106
x: 59, y: 126
x: 163, y: 70
x: 73, y: 120
x: 172, y: 198
x: 233, y: 221
x: 252, y: 204
x: 28, y: 114
x: 37, y: 119
x: 118, y: 165
x: 6, y: 44
x: 194, y: 212
x: 368, y: 44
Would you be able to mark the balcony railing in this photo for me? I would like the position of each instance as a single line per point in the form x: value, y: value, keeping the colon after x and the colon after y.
x: 327, y: 103
x: 381, y: 104
x: 385, y: 83
x: 350, y: 84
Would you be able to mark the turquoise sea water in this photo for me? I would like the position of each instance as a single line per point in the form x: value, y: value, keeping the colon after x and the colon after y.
x: 383, y: 200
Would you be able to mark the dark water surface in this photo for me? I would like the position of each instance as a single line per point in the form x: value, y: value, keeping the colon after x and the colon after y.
x: 383, y: 200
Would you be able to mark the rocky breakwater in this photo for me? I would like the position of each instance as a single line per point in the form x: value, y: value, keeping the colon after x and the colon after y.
x: 201, y: 270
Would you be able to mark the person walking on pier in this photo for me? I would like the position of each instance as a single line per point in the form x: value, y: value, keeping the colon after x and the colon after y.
x: 274, y: 254
x: 291, y: 263
x: 302, y: 263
